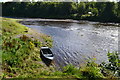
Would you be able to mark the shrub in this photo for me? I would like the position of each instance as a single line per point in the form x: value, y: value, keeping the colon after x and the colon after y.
x: 91, y: 71
x: 113, y: 67
x: 70, y: 69
x: 19, y: 55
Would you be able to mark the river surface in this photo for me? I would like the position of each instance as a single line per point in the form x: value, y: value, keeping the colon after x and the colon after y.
x: 76, y: 42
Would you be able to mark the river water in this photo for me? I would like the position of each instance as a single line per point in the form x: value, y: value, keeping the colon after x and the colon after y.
x: 76, y: 42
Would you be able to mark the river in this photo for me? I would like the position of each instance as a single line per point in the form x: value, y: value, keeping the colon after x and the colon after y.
x: 78, y: 41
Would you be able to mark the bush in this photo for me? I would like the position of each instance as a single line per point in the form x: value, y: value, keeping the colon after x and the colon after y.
x: 19, y: 55
x: 70, y: 69
x: 113, y: 67
x: 91, y: 71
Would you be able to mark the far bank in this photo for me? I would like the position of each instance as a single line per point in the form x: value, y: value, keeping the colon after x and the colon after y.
x: 92, y: 11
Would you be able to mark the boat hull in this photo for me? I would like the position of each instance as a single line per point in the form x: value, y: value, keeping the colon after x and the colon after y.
x: 46, y: 53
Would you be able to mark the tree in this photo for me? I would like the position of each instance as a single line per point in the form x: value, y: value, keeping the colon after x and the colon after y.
x: 108, y: 12
x: 81, y: 8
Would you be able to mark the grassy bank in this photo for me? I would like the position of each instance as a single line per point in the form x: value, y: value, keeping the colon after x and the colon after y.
x: 20, y: 52
x: 21, y: 56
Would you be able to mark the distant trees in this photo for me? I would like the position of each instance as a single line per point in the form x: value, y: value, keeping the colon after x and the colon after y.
x: 103, y: 11
x: 118, y: 9
x: 81, y: 8
x: 108, y: 11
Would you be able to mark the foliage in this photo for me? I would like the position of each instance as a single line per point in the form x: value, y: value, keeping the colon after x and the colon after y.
x: 96, y: 71
x: 47, y: 40
x: 70, y: 69
x: 20, y: 55
x: 11, y: 27
x: 91, y: 71
x: 101, y: 11
x: 21, y: 58
x: 112, y: 69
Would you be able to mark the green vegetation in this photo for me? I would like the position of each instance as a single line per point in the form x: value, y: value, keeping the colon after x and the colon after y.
x: 113, y: 67
x: 11, y: 28
x: 95, y: 71
x: 21, y: 57
x: 95, y: 11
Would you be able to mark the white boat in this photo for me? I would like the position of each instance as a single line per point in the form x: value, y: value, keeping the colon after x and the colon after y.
x: 47, y: 53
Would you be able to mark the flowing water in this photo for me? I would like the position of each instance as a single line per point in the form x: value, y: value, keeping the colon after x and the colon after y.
x: 76, y: 42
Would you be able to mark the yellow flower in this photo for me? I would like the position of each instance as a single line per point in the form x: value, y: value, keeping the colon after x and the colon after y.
x: 32, y: 44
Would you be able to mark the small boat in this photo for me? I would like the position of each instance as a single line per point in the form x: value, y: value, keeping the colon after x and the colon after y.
x: 47, y: 53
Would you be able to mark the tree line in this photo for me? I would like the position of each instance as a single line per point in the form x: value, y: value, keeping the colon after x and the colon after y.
x: 95, y: 11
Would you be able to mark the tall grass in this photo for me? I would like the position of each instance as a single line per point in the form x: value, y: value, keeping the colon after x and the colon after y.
x: 20, y: 56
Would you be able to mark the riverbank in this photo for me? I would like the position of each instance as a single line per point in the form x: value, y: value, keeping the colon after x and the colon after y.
x: 29, y: 21
x: 67, y: 20
x: 20, y: 51
x: 50, y: 20
x: 21, y: 56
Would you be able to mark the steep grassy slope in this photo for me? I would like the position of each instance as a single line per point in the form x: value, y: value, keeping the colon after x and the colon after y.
x: 21, y: 55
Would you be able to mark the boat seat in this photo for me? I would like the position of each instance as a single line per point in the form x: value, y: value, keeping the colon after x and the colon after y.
x: 48, y: 55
